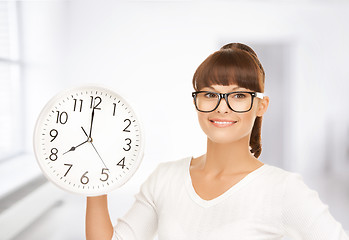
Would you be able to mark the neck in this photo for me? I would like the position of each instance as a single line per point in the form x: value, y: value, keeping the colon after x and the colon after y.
x: 229, y: 157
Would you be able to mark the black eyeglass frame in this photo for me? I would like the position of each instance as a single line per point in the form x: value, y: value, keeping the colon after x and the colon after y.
x: 225, y: 96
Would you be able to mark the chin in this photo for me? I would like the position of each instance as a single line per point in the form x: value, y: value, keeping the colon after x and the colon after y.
x: 225, y: 135
x: 223, y: 139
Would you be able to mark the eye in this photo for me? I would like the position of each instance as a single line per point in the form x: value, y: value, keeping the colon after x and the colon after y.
x: 210, y: 95
x: 240, y: 95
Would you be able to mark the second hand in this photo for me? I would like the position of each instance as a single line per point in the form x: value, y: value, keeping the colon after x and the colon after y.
x: 90, y: 140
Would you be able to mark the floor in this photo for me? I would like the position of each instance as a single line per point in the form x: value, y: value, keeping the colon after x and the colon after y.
x: 53, y: 224
x: 66, y: 219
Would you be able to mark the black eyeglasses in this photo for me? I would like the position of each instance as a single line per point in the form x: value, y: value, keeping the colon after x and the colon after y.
x: 241, y: 101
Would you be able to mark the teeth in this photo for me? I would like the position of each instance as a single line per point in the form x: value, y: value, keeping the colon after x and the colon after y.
x: 222, y: 122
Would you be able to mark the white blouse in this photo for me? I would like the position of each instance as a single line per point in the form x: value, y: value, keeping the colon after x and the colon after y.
x: 267, y: 204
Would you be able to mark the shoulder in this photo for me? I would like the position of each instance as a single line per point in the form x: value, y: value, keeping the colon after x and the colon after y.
x: 291, y: 180
x: 282, y: 182
x: 293, y: 188
x: 164, y: 174
x: 170, y: 168
x: 279, y: 175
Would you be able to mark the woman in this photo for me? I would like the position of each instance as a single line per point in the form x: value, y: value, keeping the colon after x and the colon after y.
x: 226, y: 193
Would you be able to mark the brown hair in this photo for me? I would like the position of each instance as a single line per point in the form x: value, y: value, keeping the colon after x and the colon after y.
x: 234, y: 63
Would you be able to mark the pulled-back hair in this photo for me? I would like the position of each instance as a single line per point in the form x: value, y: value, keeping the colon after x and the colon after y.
x: 234, y: 63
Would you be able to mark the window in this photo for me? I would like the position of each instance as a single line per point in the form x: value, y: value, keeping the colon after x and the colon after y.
x: 11, y: 110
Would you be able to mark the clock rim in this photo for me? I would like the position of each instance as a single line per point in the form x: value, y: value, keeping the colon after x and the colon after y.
x: 51, y: 103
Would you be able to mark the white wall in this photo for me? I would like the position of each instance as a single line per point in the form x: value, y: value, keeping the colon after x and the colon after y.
x: 43, y: 36
x: 136, y: 47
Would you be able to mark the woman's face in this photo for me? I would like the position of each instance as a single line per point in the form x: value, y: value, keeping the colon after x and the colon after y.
x: 224, y: 125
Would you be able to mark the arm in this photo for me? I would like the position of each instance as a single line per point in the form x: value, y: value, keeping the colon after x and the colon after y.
x: 98, y: 223
x: 139, y: 223
x: 305, y: 216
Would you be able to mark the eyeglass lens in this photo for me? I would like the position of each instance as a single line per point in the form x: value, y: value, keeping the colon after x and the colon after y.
x: 208, y: 101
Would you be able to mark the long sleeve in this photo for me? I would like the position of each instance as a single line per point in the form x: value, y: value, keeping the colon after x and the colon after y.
x: 305, y: 216
x: 140, y: 222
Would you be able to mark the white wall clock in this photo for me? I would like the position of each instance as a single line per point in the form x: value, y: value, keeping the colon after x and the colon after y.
x: 88, y: 140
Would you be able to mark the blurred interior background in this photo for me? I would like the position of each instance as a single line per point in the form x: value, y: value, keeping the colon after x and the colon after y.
x: 148, y: 51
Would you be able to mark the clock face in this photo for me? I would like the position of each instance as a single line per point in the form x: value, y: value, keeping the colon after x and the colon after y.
x: 88, y: 140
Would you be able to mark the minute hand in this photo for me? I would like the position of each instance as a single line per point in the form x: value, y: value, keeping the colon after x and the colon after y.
x: 93, y: 115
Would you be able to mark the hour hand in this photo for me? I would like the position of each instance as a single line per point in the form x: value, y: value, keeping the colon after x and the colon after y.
x: 73, y: 148
x: 85, y: 133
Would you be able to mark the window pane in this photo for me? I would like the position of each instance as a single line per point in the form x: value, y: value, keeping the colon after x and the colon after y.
x: 10, y: 84
x: 10, y: 121
x: 8, y: 31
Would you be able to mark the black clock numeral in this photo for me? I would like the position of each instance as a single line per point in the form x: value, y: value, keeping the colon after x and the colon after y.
x: 95, y: 101
x: 122, y: 163
x: 129, y: 123
x: 114, y: 109
x: 75, y: 103
x: 54, y: 134
x: 105, y: 174
x: 128, y: 144
x: 70, y: 165
x: 53, y: 156
x: 84, y: 179
x: 62, y: 117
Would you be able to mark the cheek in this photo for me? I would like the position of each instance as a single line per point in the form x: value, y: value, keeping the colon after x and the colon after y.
x: 203, y: 121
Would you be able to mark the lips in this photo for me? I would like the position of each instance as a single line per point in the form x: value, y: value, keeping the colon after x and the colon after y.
x: 222, y: 122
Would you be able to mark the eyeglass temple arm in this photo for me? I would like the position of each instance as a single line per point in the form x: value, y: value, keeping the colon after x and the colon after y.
x: 260, y: 95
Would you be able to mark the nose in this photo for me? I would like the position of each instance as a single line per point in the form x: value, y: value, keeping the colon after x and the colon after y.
x: 223, y: 106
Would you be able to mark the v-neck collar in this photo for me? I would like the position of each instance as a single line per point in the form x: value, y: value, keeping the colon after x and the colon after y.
x: 208, y: 203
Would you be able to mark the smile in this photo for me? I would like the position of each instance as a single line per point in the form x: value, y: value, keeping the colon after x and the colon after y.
x: 222, y: 123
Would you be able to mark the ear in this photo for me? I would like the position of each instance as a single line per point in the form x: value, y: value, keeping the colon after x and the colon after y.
x: 262, y: 106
